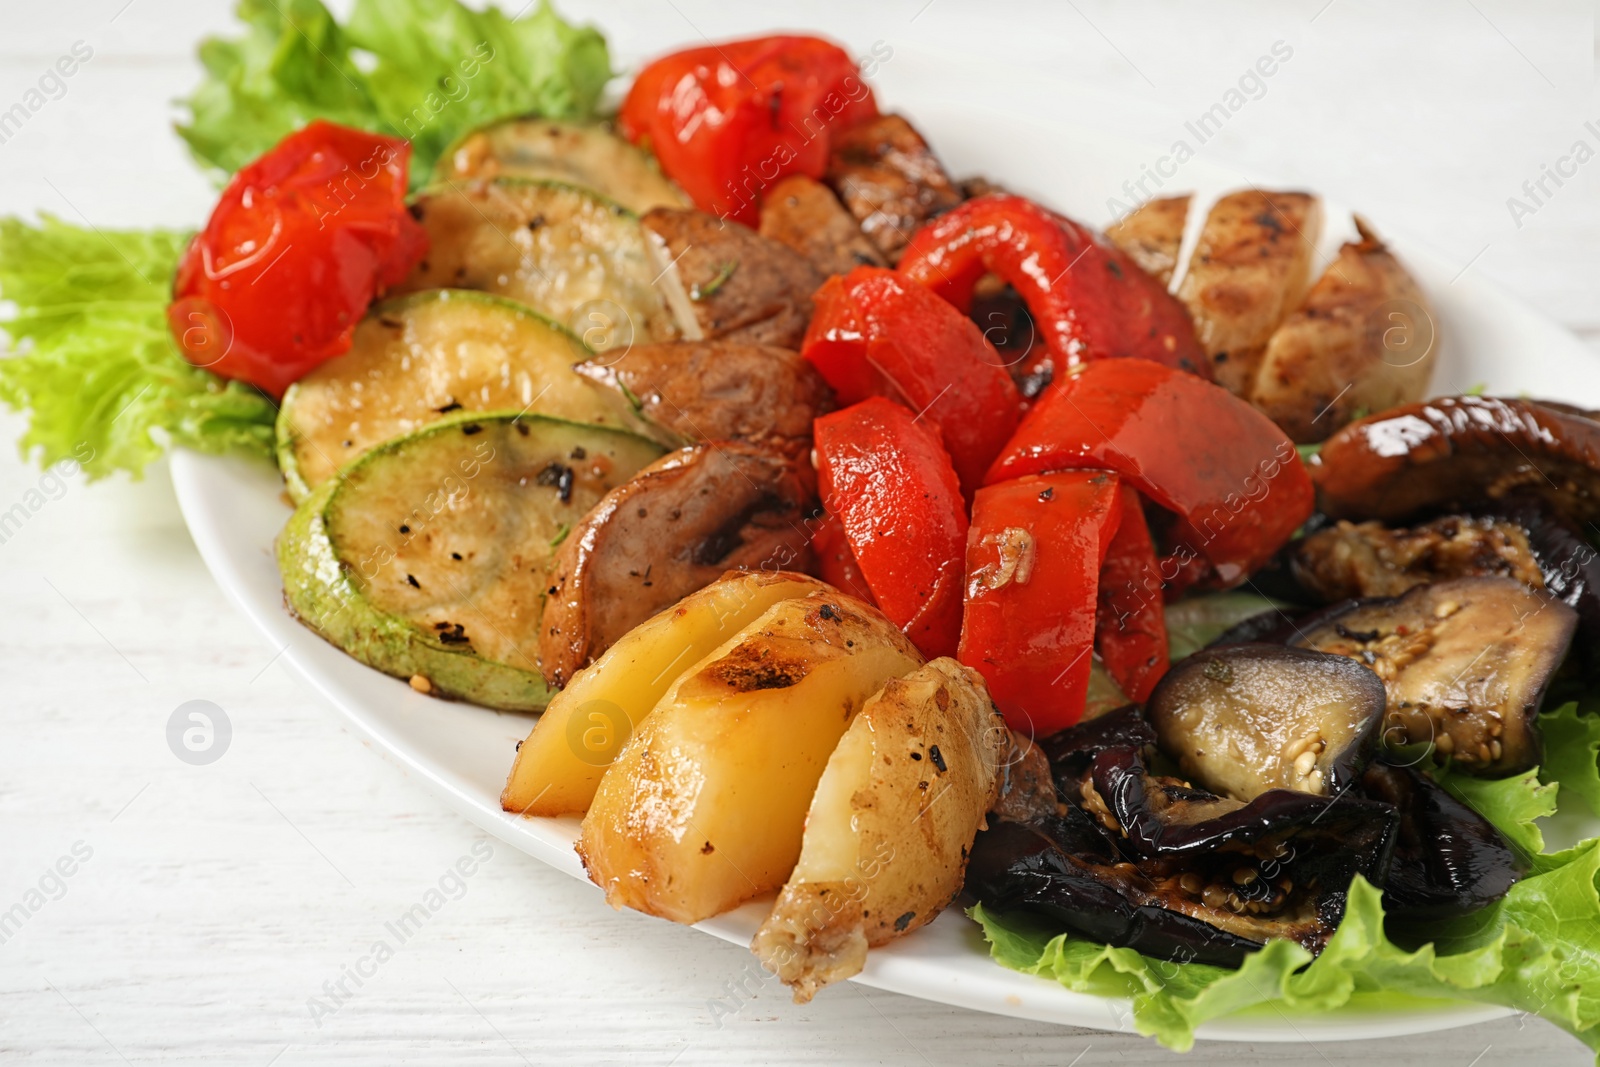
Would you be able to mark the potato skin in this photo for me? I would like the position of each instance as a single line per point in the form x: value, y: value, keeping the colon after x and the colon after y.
x: 1249, y: 270
x: 1152, y: 234
x: 673, y: 528
x: 1365, y: 340
x: 890, y: 826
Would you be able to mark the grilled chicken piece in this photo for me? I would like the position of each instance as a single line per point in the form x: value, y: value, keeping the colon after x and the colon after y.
x: 805, y: 215
x: 672, y: 529
x: 1249, y: 271
x: 740, y: 286
x: 717, y: 390
x: 1152, y: 234
x: 890, y: 180
x: 1368, y: 560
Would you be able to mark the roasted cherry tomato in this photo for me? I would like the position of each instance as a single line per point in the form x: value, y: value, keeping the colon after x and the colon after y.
x: 298, y: 246
x: 897, y: 498
x: 727, y: 121
x: 1131, y: 624
x: 1033, y: 571
x: 876, y: 333
x: 1087, y: 299
x: 1234, y: 480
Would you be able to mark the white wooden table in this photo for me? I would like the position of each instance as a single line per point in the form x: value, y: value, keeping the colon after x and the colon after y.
x: 216, y: 901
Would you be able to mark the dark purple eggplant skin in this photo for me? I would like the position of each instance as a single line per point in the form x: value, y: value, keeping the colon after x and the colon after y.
x: 1569, y: 563
x: 1448, y: 860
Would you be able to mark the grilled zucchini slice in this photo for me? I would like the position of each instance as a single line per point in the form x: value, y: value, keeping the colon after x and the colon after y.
x: 427, y: 558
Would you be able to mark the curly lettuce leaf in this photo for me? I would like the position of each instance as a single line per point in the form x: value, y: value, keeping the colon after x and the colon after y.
x: 425, y: 70
x: 95, y: 364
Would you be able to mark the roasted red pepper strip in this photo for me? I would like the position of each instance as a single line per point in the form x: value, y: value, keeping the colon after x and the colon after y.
x: 299, y: 244
x: 1234, y: 480
x: 876, y: 333
x: 836, y: 563
x: 727, y: 121
x: 890, y: 482
x: 1087, y: 299
x: 1131, y: 624
x: 1033, y: 570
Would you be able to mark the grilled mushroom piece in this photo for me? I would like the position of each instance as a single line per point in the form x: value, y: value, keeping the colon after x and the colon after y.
x: 1154, y: 864
x: 1465, y: 662
x: 674, y: 528
x: 1246, y: 719
x: 1462, y: 451
x: 1448, y: 860
x: 885, y: 173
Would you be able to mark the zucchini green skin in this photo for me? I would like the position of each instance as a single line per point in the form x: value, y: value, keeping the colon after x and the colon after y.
x: 321, y: 590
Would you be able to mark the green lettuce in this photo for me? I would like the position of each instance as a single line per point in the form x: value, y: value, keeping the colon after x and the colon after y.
x: 96, y: 365
x: 1537, y: 951
x: 425, y: 70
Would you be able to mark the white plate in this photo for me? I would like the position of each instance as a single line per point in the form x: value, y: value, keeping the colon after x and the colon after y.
x: 234, y: 509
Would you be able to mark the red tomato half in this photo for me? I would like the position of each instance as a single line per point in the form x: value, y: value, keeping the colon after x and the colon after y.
x: 297, y: 247
x: 727, y: 121
x: 1033, y: 571
x: 889, y: 481
x: 877, y: 333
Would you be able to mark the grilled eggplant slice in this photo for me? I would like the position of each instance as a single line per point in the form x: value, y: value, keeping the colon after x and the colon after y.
x: 428, y: 558
x: 1460, y: 452
x: 1245, y: 719
x: 566, y: 252
x: 1465, y: 662
x: 590, y: 157
x: 692, y: 391
x: 672, y: 529
x: 890, y: 180
x: 1448, y: 860
x: 417, y: 359
x: 740, y: 285
x: 1352, y: 560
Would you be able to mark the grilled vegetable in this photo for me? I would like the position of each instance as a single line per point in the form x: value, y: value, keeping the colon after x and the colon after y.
x: 923, y: 753
x: 890, y: 180
x: 692, y: 391
x: 706, y: 804
x: 1350, y: 560
x: 1152, y: 234
x: 1448, y: 860
x: 1460, y: 451
x: 673, y: 528
x: 428, y: 557
x: 1245, y: 719
x: 1363, y: 340
x: 558, y: 767
x: 740, y: 286
x: 589, y: 157
x: 804, y: 215
x: 1249, y: 271
x: 1465, y: 662
x: 566, y: 252
x: 416, y: 360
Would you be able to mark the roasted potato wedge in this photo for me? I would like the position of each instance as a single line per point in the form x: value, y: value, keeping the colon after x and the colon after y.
x: 705, y: 806
x: 1364, y: 340
x: 716, y: 391
x: 1250, y: 269
x: 740, y: 286
x: 1152, y: 233
x: 558, y: 767
x: 675, y: 527
x: 804, y: 215
x: 890, y: 180
x: 890, y: 826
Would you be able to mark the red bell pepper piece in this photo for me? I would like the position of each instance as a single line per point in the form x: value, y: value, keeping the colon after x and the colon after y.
x: 1131, y: 623
x: 1234, y: 480
x: 1088, y: 300
x: 836, y: 563
x: 876, y: 333
x: 1033, y: 570
x: 729, y: 120
x: 890, y: 482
